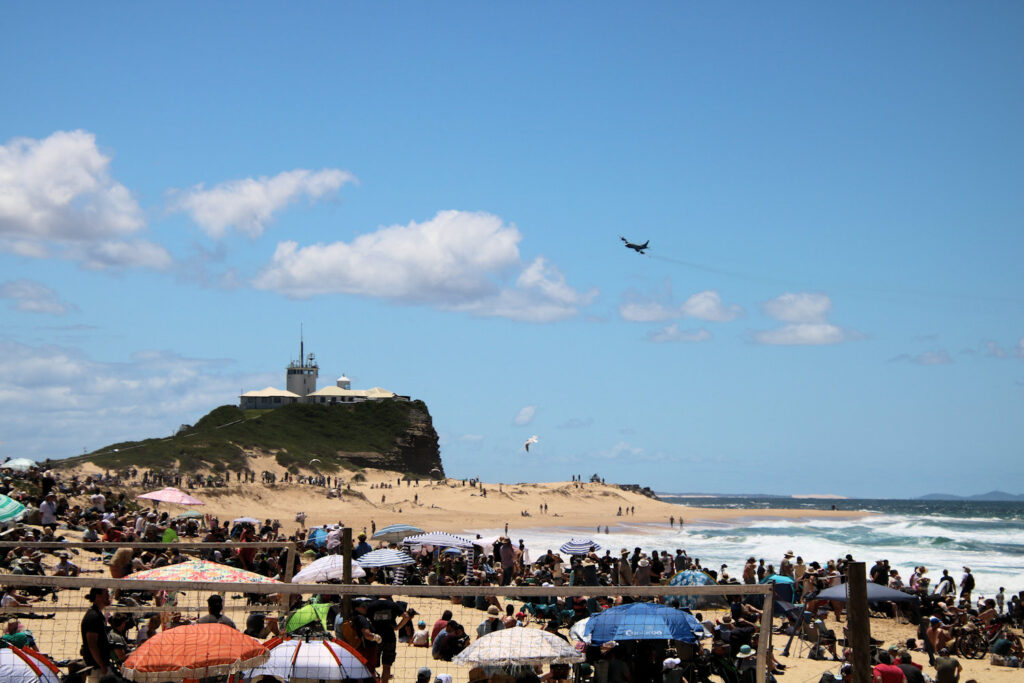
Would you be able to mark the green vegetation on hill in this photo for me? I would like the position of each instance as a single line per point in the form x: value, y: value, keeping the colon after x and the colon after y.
x: 297, y: 433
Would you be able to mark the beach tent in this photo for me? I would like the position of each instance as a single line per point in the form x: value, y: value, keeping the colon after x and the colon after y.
x: 309, y: 614
x: 518, y: 646
x: 876, y: 593
x: 784, y: 587
x: 692, y: 577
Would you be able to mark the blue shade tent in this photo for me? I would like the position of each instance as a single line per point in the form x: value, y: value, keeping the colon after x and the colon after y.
x: 692, y: 577
x: 579, y: 546
x: 440, y: 539
x: 318, y: 537
x: 876, y: 593
x: 384, y: 558
x: 396, y: 532
x: 642, y: 621
x: 784, y: 587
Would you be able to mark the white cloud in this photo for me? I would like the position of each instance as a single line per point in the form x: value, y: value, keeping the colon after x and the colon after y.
x: 524, y: 416
x: 458, y: 261
x: 56, y: 400
x: 937, y: 357
x: 798, y: 307
x: 249, y: 204
x: 57, y: 199
x: 471, y: 437
x: 660, y: 306
x: 806, y: 334
x: 672, y: 333
x: 806, y: 314
x: 577, y: 423
x: 30, y: 296
x: 708, y: 306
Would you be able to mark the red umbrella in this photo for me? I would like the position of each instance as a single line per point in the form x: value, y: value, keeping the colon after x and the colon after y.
x: 195, y: 651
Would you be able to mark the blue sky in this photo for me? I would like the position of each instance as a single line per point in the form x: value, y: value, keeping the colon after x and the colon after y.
x: 832, y: 301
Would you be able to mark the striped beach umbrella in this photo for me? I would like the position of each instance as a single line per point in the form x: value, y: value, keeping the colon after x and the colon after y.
x: 441, y: 539
x: 384, y: 558
x: 10, y: 509
x: 296, y: 659
x: 396, y: 532
x: 579, y: 546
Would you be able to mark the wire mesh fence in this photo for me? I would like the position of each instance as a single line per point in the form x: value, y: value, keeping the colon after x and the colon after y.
x: 174, y: 629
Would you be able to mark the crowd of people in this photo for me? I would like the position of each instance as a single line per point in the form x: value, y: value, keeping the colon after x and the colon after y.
x: 56, y: 506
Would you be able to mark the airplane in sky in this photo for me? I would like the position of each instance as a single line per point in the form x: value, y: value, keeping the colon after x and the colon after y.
x: 638, y: 248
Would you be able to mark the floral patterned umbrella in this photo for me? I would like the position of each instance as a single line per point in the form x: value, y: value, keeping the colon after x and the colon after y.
x: 201, y: 571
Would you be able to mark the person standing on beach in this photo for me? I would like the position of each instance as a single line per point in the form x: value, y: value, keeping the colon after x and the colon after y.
x: 95, y: 646
x: 966, y: 586
x: 625, y: 571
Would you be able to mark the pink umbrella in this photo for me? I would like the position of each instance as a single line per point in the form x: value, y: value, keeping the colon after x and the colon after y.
x: 171, y: 495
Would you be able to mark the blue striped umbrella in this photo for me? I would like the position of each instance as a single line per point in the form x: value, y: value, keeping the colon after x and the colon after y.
x: 441, y: 539
x: 396, y: 532
x: 579, y: 546
x: 384, y: 558
x: 10, y: 509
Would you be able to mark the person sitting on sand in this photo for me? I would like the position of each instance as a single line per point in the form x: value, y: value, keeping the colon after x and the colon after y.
x: 938, y: 635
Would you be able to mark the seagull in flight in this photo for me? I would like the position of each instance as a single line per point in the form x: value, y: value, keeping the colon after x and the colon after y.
x: 314, y: 460
x: 532, y: 439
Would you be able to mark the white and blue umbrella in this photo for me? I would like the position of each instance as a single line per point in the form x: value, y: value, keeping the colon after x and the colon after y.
x: 692, y: 577
x: 19, y: 464
x: 10, y: 509
x: 384, y: 558
x: 327, y: 568
x: 441, y: 539
x: 396, y: 532
x: 579, y: 546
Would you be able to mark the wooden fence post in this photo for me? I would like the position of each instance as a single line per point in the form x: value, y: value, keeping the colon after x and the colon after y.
x: 289, y: 567
x: 858, y: 622
x: 346, y: 570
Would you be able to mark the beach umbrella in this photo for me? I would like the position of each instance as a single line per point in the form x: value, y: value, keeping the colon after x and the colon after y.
x: 194, y: 651
x: 19, y: 464
x: 486, y: 542
x: 692, y: 577
x: 384, y: 558
x: 396, y: 532
x: 441, y: 539
x: 327, y: 568
x: 876, y: 593
x: 246, y: 520
x: 19, y: 665
x: 512, y: 646
x: 310, y: 661
x: 318, y: 537
x: 578, y: 631
x: 201, y: 571
x: 191, y: 514
x: 10, y: 509
x: 784, y: 587
x: 643, y: 621
x: 579, y: 546
x: 309, y: 614
x: 171, y: 495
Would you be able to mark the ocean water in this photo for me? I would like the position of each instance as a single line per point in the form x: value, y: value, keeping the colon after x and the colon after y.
x: 988, y: 537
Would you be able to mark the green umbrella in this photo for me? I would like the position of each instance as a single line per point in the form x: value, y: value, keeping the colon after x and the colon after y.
x: 191, y: 514
x: 307, y: 615
x: 10, y: 508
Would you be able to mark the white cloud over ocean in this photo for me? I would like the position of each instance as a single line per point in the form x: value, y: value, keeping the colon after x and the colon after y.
x: 458, y: 261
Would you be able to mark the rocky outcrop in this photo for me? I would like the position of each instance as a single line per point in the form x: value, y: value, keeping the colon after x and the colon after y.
x: 642, y: 490
x: 415, y: 451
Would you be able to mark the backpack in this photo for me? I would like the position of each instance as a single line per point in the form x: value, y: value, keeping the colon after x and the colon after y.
x: 969, y: 582
x: 350, y: 634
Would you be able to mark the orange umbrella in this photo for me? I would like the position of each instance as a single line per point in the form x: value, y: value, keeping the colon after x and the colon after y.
x: 195, y: 651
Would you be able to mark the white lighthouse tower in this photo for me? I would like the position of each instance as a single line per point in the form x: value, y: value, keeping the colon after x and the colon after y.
x: 302, y: 374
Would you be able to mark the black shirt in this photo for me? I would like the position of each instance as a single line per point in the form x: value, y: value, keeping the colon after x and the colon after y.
x: 912, y: 673
x: 93, y: 622
x: 381, y: 614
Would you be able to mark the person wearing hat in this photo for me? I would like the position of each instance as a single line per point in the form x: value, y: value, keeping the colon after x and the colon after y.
x: 421, y: 636
x: 48, y: 511
x: 477, y: 675
x: 491, y: 624
x: 95, y: 646
x: 65, y: 567
x: 642, y: 576
x: 966, y: 586
x: 361, y: 548
x: 423, y: 675
x: 624, y: 569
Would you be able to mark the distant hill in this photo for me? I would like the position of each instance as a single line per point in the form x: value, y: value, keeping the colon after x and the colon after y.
x: 999, y: 496
x: 388, y: 434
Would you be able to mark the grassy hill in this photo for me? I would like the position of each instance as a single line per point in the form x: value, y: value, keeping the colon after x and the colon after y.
x: 388, y: 434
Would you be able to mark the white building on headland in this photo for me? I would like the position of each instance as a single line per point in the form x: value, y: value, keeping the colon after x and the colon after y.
x: 300, y: 380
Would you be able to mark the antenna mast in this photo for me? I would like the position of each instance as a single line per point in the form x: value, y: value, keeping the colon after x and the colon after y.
x: 302, y: 348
